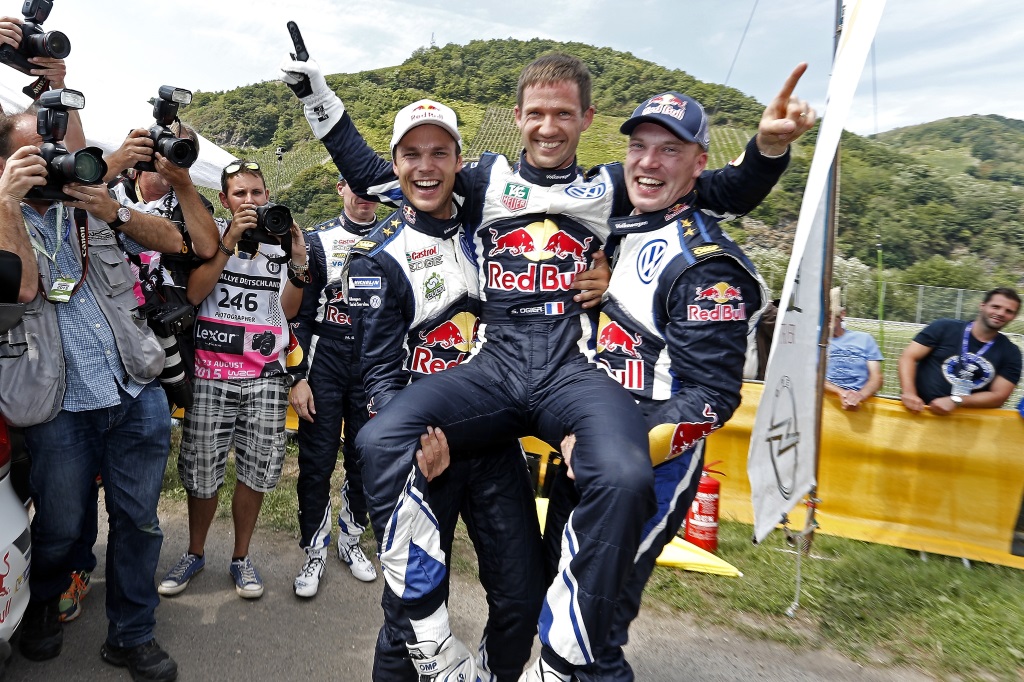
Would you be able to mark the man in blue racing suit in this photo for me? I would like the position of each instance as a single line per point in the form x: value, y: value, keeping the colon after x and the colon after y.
x: 673, y: 330
x: 412, y: 291
x: 330, y: 394
x: 535, y: 225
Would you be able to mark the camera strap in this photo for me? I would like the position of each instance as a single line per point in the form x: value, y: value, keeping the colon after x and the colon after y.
x: 63, y: 287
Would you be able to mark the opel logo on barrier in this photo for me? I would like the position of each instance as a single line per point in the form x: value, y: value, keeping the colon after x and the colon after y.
x: 586, y: 191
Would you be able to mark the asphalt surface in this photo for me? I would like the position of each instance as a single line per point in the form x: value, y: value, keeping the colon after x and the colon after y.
x: 215, y: 635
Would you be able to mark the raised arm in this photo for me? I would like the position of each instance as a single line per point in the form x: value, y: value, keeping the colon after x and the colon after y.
x: 23, y: 170
x: 741, y: 185
x: 368, y: 174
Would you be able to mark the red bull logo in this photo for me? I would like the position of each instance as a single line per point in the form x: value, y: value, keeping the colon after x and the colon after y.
x: 613, y: 338
x: 337, y: 297
x: 667, y: 104
x: 3, y: 590
x: 447, y: 335
x: 720, y: 313
x: 563, y: 244
x: 517, y: 242
x: 688, y: 434
x: 534, y: 278
x: 722, y: 292
x: 426, y: 107
x: 424, y: 361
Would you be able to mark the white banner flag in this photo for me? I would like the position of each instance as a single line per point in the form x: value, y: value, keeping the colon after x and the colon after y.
x: 781, y: 462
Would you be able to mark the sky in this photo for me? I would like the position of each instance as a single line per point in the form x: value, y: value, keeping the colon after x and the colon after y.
x: 932, y: 58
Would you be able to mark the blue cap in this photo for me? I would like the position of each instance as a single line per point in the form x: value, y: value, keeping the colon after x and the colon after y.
x: 682, y: 116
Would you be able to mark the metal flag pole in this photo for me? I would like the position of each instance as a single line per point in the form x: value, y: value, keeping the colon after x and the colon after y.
x: 805, y: 537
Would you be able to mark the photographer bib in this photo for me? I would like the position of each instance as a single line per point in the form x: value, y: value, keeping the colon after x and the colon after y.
x: 241, y: 330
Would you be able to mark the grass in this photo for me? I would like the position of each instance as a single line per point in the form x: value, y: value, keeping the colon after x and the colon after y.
x: 873, y: 603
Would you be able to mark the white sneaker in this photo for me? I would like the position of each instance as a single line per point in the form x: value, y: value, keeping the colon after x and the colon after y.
x: 540, y: 672
x: 352, y: 554
x: 307, y: 582
x: 450, y: 661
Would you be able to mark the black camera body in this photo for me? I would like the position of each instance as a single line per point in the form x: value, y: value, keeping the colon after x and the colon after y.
x: 171, y: 319
x: 84, y: 166
x: 35, y: 43
x: 273, y: 224
x: 181, y: 152
x: 264, y: 342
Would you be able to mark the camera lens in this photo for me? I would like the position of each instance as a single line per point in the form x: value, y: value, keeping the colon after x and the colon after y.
x: 50, y: 44
x: 180, y: 152
x: 85, y: 165
x: 88, y: 168
x: 274, y: 218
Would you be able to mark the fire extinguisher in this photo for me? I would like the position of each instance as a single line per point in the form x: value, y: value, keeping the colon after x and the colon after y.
x: 702, y: 518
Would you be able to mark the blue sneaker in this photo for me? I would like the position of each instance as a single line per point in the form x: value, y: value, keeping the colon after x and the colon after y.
x: 177, y: 578
x: 248, y: 583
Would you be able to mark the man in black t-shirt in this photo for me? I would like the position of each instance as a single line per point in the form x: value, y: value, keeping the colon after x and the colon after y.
x: 950, y: 363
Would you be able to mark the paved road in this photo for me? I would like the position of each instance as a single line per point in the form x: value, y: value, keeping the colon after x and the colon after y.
x: 215, y: 635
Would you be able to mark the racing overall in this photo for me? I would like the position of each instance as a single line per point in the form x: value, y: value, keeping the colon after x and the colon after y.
x: 413, y: 294
x: 533, y: 371
x: 324, y: 331
x: 673, y: 330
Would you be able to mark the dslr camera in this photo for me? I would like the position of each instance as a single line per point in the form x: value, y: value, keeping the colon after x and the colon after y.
x: 264, y: 343
x: 273, y: 224
x: 35, y: 43
x: 181, y: 152
x: 85, y: 166
x: 168, y: 321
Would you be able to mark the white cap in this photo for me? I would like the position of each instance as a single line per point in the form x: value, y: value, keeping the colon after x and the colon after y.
x: 422, y: 112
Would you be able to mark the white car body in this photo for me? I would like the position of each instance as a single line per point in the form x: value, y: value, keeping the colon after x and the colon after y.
x: 15, y: 553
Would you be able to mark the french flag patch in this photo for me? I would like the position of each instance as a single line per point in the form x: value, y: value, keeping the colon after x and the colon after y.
x: 554, y: 309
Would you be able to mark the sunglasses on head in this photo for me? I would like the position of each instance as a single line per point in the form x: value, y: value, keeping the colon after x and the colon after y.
x: 236, y: 166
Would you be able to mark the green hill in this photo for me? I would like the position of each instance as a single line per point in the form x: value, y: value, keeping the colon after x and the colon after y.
x: 951, y: 189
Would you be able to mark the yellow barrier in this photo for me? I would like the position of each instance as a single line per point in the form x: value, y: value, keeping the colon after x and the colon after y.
x: 947, y: 485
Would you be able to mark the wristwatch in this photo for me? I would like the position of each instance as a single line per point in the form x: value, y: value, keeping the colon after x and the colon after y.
x: 957, y: 399
x: 298, y: 271
x: 124, y: 214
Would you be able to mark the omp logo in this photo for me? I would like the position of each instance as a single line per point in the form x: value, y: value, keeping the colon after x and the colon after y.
x: 586, y: 191
x: 649, y: 259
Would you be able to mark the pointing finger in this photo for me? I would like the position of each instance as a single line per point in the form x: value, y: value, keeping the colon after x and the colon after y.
x: 782, y: 99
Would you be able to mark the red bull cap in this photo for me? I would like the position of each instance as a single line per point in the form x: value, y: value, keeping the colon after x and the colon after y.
x: 682, y: 116
x: 423, y: 112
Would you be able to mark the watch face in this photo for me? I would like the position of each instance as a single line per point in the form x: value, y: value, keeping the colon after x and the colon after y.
x: 124, y: 214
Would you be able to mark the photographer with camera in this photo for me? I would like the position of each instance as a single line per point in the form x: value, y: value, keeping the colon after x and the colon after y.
x: 167, y: 193
x: 51, y: 69
x: 77, y: 373
x: 245, y: 294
